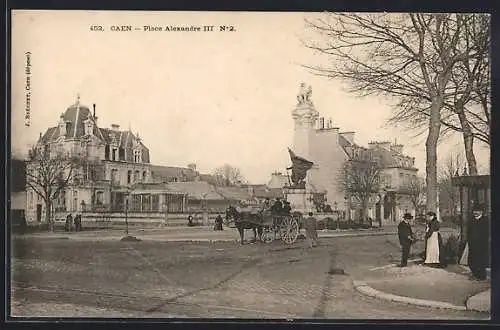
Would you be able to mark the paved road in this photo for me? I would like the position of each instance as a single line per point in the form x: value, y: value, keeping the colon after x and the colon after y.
x: 223, y: 279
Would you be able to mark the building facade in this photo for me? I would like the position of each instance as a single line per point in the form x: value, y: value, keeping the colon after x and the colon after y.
x: 329, y: 149
x: 110, y: 161
x: 113, y: 174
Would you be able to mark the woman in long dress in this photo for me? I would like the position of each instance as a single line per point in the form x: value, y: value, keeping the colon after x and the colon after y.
x: 433, y: 241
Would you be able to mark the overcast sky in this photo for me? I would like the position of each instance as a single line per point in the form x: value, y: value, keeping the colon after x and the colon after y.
x: 204, y: 97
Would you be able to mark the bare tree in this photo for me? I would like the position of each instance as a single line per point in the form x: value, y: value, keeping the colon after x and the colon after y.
x: 449, y: 196
x: 48, y: 174
x: 407, y: 57
x: 360, y: 180
x: 228, y: 175
x: 415, y: 189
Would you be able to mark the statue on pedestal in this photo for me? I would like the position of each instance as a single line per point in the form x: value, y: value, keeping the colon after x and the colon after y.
x: 299, y: 168
x: 304, y: 96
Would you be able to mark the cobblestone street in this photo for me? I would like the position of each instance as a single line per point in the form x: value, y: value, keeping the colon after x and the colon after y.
x: 64, y: 278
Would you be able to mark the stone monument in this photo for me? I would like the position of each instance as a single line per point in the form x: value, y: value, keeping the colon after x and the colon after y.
x: 300, y: 191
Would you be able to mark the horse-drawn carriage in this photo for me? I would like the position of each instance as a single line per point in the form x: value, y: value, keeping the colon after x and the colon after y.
x: 266, y: 225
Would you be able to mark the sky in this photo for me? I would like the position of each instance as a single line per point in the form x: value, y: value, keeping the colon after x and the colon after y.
x: 207, y: 98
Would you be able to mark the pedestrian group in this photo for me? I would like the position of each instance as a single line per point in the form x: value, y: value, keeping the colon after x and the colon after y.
x: 475, y: 254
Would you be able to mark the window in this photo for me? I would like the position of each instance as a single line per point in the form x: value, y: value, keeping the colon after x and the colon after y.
x: 137, y: 156
x: 388, y: 180
x: 136, y: 203
x: 129, y: 177
x: 114, y: 155
x: 114, y: 176
x: 106, y: 152
x: 155, y: 203
x: 146, y: 203
x: 74, y: 206
x: 99, y: 198
x: 121, y: 154
x: 30, y: 199
x: 144, y: 176
x: 136, y: 176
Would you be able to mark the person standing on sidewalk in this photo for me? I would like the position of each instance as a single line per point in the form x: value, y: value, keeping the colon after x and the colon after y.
x: 406, y: 238
x: 311, y: 230
x: 433, y: 241
x: 478, y: 241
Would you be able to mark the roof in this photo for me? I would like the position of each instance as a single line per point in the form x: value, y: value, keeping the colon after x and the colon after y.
x: 153, y: 187
x: 235, y: 193
x: 196, y: 190
x: 389, y: 158
x: 166, y: 173
x: 75, y: 116
x: 478, y: 181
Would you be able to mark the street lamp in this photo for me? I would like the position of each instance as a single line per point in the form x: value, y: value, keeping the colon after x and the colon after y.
x: 127, y: 237
x: 127, y: 196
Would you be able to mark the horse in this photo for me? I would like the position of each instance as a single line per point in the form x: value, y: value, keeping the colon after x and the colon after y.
x: 242, y: 224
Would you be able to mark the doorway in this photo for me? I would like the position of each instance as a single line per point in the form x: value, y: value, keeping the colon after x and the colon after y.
x: 38, y: 212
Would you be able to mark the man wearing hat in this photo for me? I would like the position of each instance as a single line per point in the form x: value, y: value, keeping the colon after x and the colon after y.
x: 478, y: 240
x: 406, y: 238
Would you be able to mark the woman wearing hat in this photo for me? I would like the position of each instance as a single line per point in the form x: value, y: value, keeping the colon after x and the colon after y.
x: 433, y: 241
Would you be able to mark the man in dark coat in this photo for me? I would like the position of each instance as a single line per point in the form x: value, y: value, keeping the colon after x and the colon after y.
x: 277, y: 207
x: 406, y: 238
x: 218, y: 223
x: 190, y: 221
x: 478, y: 240
x: 69, y: 222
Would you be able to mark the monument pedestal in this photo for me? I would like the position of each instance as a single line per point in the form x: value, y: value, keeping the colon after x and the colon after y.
x: 300, y: 199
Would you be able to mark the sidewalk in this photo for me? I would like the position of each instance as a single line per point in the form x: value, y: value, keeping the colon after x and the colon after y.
x: 192, y: 234
x: 420, y: 285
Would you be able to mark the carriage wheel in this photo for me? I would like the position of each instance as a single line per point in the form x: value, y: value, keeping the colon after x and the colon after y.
x: 290, y: 230
x: 267, y: 235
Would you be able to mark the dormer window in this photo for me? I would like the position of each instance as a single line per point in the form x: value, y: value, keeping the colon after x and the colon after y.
x: 89, y: 127
x: 137, y: 156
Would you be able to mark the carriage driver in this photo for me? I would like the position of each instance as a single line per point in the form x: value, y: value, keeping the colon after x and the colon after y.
x: 277, y: 207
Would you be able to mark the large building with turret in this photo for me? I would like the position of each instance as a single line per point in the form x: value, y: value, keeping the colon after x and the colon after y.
x: 113, y: 174
x: 328, y: 147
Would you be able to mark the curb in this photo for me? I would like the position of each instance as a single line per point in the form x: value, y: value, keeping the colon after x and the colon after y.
x: 365, y: 289
x: 477, y: 304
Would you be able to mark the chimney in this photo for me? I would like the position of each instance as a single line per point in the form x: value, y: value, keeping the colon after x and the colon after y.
x: 115, y: 127
x: 93, y: 106
x: 322, y: 123
x: 398, y: 148
x: 386, y: 145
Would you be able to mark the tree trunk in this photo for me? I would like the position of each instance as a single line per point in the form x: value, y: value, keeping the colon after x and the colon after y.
x: 431, y: 153
x: 468, y: 142
x: 364, y: 207
x: 48, y: 216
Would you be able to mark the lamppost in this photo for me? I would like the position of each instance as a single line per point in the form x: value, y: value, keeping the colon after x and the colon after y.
x: 127, y: 196
x: 165, y: 209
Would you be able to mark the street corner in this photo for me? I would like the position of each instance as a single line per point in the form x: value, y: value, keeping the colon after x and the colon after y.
x: 419, y: 285
x: 480, y: 302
